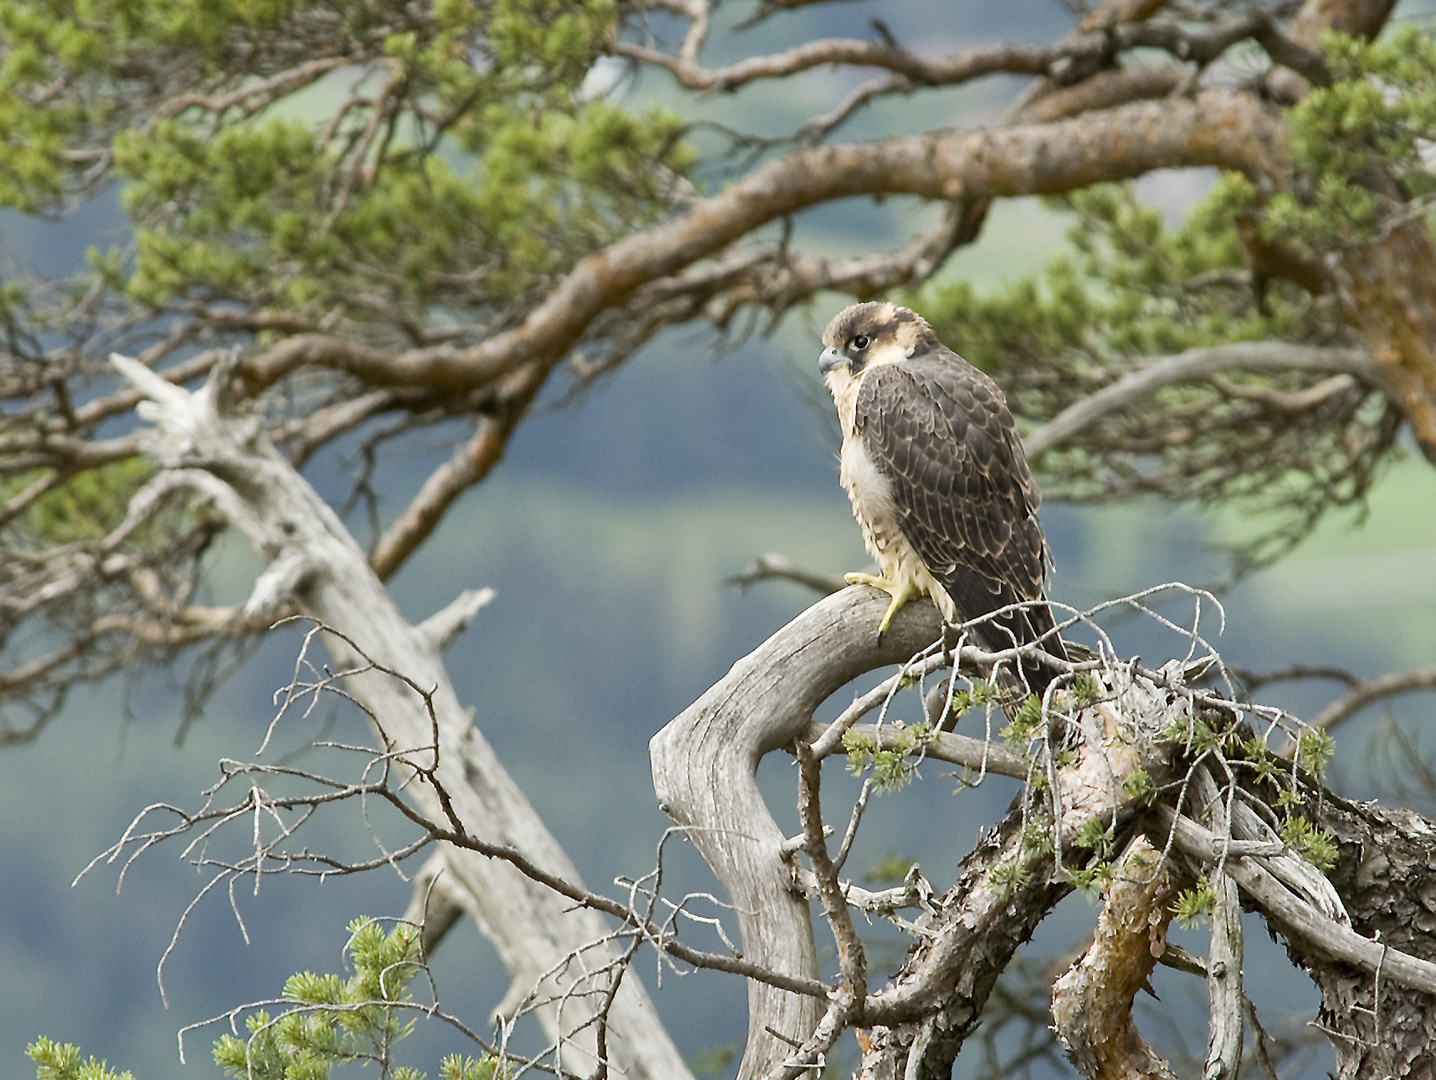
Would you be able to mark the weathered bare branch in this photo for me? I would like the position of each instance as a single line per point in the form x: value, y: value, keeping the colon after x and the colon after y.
x: 1224, y: 957
x: 453, y: 619
x: 281, y: 516
x: 1388, y: 289
x: 852, y: 961
x: 1152, y: 374
x: 1296, y: 916
x: 772, y: 566
x: 1367, y: 691
x: 1104, y: 90
x: 704, y: 763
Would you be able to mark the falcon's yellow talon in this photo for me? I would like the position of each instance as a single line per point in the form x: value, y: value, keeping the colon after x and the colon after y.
x: 900, y: 593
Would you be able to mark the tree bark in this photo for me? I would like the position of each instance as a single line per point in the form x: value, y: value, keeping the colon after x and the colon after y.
x: 1092, y: 1001
x: 1386, y: 876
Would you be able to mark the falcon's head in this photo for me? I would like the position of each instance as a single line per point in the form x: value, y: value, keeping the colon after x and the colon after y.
x: 867, y: 335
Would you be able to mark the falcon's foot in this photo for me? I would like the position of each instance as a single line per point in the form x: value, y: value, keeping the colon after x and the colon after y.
x: 901, y: 593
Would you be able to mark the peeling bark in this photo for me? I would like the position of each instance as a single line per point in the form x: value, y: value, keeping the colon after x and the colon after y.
x: 1386, y: 875
x: 1092, y: 1001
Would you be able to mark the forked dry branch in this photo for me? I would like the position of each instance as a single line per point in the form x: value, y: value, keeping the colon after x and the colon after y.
x: 316, y: 568
x: 1119, y: 807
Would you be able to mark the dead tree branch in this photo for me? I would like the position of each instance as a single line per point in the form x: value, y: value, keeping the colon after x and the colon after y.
x: 1129, y: 754
x: 229, y: 461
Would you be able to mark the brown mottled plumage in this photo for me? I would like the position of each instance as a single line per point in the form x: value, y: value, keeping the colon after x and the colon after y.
x: 938, y: 481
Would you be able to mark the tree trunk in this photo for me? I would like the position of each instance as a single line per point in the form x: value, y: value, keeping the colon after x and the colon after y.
x: 316, y: 565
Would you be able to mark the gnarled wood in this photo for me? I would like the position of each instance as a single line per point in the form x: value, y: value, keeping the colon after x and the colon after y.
x: 533, y: 928
x: 1092, y: 1001
x: 704, y: 766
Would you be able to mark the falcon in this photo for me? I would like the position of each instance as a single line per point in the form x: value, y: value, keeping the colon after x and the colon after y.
x: 939, y: 484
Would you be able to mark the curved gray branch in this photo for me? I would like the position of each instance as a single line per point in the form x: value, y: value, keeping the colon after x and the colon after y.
x: 1295, y: 915
x: 1161, y: 371
x: 1391, y: 684
x: 704, y: 764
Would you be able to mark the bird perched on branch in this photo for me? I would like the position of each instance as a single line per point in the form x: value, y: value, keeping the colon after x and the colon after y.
x: 938, y: 481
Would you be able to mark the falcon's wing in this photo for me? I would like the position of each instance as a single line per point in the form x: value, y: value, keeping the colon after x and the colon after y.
x: 940, y: 432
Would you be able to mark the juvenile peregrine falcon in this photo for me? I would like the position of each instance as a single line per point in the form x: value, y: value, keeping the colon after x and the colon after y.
x: 938, y: 481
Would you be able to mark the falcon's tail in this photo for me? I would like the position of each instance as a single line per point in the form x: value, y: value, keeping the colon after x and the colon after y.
x: 975, y: 596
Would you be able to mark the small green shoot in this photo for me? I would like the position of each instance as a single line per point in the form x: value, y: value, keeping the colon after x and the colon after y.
x: 1138, y: 787
x: 1289, y: 799
x: 1025, y: 723
x: 892, y: 766
x: 1314, y: 749
x: 1315, y: 844
x: 860, y: 749
x: 1193, y: 905
x: 61, y: 1061
x: 1009, y: 876
x: 1192, y: 732
x: 1093, y: 879
x: 1086, y: 690
x: 1097, y: 837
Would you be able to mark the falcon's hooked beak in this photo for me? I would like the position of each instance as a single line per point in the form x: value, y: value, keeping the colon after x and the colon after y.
x: 831, y: 359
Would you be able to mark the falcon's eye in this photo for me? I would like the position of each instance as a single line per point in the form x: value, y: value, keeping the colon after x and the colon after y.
x: 861, y: 342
